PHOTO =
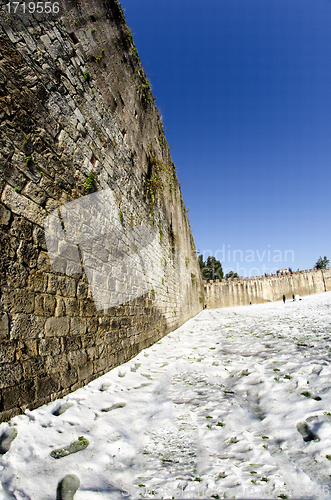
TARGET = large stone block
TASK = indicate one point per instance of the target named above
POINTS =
(20, 205)
(32, 191)
(4, 326)
(72, 343)
(34, 367)
(66, 287)
(49, 347)
(19, 301)
(8, 245)
(7, 352)
(69, 377)
(37, 281)
(45, 305)
(39, 238)
(72, 307)
(47, 385)
(27, 254)
(27, 326)
(57, 327)
(5, 216)
(10, 374)
(20, 395)
(85, 371)
(57, 364)
(78, 358)
(77, 326)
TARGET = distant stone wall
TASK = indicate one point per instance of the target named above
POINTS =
(74, 99)
(239, 292)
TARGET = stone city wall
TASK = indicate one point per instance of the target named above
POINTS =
(239, 292)
(77, 121)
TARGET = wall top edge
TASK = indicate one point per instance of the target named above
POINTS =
(269, 276)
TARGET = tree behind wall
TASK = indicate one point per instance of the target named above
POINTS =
(211, 269)
(322, 263)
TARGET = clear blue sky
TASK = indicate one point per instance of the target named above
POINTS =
(244, 88)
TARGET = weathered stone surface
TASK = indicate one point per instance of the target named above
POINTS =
(19, 395)
(8, 245)
(45, 305)
(66, 287)
(5, 216)
(7, 352)
(37, 282)
(4, 326)
(10, 374)
(26, 326)
(77, 326)
(21, 228)
(49, 347)
(72, 307)
(19, 301)
(82, 289)
(39, 238)
(34, 193)
(57, 327)
(27, 254)
(78, 358)
(47, 385)
(20, 205)
(16, 275)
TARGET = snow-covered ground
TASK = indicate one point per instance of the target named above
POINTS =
(234, 404)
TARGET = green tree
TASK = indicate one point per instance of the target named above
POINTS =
(322, 263)
(232, 275)
(201, 262)
(212, 269)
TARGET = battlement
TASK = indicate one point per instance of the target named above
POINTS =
(270, 288)
(280, 274)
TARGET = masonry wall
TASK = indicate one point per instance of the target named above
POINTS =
(266, 289)
(74, 99)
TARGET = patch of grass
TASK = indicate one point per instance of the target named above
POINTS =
(120, 216)
(93, 30)
(87, 76)
(88, 186)
(28, 160)
(153, 292)
(17, 190)
(265, 437)
(253, 472)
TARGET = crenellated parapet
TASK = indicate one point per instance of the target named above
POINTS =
(269, 288)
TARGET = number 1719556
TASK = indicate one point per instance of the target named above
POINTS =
(31, 7)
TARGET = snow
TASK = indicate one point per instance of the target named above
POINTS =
(234, 404)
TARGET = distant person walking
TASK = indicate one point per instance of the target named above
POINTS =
(284, 298)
